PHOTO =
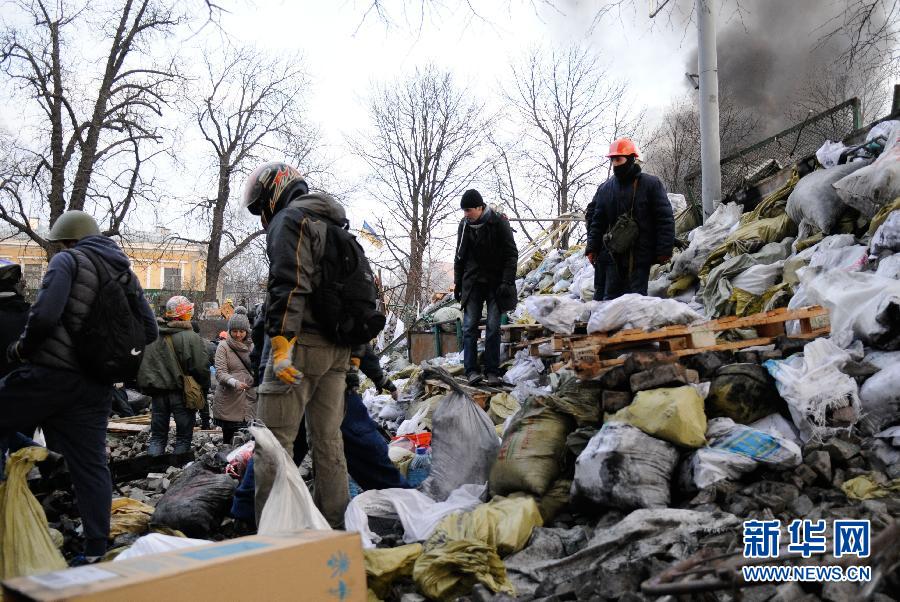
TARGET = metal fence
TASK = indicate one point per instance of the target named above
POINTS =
(754, 163)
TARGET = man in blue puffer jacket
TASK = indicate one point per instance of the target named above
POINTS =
(644, 197)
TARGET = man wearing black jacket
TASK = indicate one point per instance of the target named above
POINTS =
(52, 388)
(629, 193)
(484, 273)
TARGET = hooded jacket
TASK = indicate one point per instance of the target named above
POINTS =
(652, 211)
(159, 370)
(295, 242)
(233, 361)
(64, 302)
(485, 254)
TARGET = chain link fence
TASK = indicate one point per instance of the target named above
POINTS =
(763, 159)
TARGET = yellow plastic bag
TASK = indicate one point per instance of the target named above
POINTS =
(866, 488)
(26, 547)
(681, 285)
(675, 415)
(386, 565)
(749, 238)
(453, 569)
(129, 516)
(465, 548)
(882, 215)
(502, 406)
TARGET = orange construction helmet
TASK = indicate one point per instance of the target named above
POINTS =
(623, 147)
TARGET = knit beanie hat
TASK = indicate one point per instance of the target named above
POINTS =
(471, 199)
(179, 307)
(239, 321)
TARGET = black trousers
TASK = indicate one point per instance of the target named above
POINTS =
(612, 281)
(73, 412)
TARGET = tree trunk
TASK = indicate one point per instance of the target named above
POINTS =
(213, 261)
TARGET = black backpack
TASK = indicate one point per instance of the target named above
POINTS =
(111, 341)
(345, 302)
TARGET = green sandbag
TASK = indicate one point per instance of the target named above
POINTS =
(743, 392)
(533, 451)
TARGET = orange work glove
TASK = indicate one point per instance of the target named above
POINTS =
(282, 360)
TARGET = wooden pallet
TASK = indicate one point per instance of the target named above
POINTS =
(584, 353)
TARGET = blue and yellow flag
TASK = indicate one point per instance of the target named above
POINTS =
(368, 232)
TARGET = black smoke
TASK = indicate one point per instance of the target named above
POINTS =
(769, 49)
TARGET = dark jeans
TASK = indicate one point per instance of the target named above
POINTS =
(73, 412)
(164, 405)
(478, 296)
(364, 447)
(229, 429)
(612, 281)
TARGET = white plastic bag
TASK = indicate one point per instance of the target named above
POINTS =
(861, 305)
(418, 513)
(876, 184)
(556, 312)
(889, 267)
(637, 311)
(413, 425)
(706, 238)
(678, 202)
(813, 385)
(561, 286)
(829, 153)
(464, 442)
(778, 426)
(290, 506)
(157, 543)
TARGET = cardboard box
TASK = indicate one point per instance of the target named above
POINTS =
(313, 565)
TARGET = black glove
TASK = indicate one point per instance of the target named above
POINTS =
(390, 387)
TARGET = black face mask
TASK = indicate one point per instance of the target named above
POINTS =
(625, 171)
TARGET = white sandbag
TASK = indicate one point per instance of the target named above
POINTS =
(814, 199)
(861, 306)
(706, 238)
(556, 312)
(290, 506)
(659, 288)
(848, 259)
(707, 466)
(583, 278)
(524, 368)
(880, 399)
(887, 236)
(623, 467)
(889, 267)
(758, 279)
(829, 153)
(418, 513)
(561, 286)
(882, 359)
(877, 184)
(813, 386)
(157, 543)
(637, 311)
(778, 426)
(464, 443)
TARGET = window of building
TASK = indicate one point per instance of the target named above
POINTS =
(172, 278)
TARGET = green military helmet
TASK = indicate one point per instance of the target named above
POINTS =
(73, 225)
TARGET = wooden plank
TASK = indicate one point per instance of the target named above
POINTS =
(587, 367)
(125, 428)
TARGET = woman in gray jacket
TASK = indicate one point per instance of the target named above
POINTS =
(234, 402)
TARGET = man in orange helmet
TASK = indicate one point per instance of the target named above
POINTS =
(630, 226)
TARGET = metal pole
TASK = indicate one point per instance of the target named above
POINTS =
(711, 175)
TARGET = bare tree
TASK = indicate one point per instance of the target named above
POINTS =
(86, 128)
(673, 150)
(569, 108)
(248, 108)
(872, 32)
(425, 149)
(824, 90)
